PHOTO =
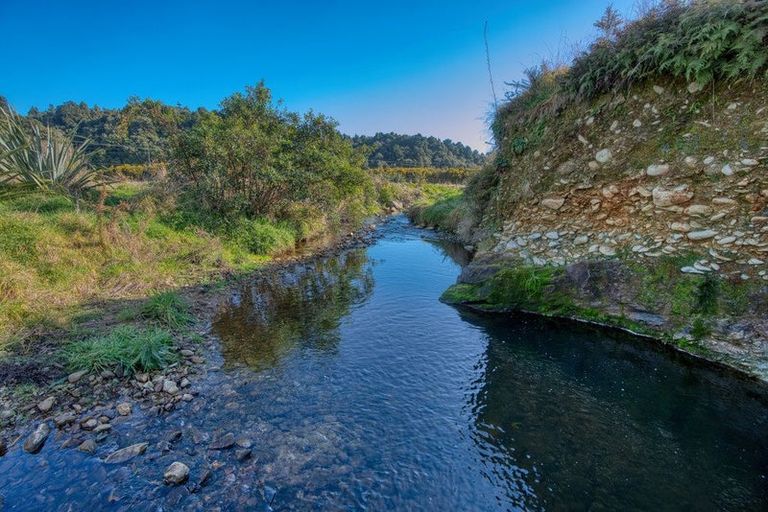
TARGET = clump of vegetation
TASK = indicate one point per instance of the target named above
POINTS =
(128, 348)
(169, 309)
(525, 287)
(31, 159)
(421, 175)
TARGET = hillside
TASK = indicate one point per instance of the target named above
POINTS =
(642, 206)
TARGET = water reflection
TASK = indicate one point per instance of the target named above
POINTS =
(276, 313)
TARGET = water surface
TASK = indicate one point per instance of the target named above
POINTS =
(360, 390)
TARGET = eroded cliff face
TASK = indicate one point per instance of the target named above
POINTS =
(650, 208)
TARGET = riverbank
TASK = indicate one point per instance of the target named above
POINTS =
(41, 396)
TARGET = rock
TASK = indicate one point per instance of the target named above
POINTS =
(690, 270)
(658, 89)
(36, 440)
(724, 201)
(64, 419)
(46, 405)
(224, 442)
(610, 191)
(73, 378)
(553, 203)
(184, 383)
(87, 446)
(89, 424)
(607, 250)
(694, 87)
(637, 123)
(727, 170)
(126, 454)
(702, 235)
(102, 428)
(243, 454)
(186, 352)
(749, 162)
(187, 397)
(680, 227)
(690, 161)
(698, 210)
(726, 240)
(3, 448)
(124, 409)
(755, 261)
(604, 156)
(671, 197)
(580, 240)
(177, 473)
(170, 387)
(141, 377)
(657, 170)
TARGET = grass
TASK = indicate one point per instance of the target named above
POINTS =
(168, 309)
(127, 347)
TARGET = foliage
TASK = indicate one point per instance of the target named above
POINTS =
(254, 159)
(169, 309)
(138, 134)
(396, 150)
(42, 161)
(126, 347)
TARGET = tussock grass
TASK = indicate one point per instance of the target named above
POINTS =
(126, 347)
(169, 309)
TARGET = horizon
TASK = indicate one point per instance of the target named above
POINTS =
(436, 84)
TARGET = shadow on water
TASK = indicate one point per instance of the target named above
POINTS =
(602, 422)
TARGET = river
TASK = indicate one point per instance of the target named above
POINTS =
(359, 390)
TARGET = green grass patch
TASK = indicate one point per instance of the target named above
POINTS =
(168, 309)
(126, 347)
(461, 293)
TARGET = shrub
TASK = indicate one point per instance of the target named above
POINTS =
(260, 236)
(126, 347)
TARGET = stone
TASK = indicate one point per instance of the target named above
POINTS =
(749, 162)
(102, 428)
(125, 454)
(124, 409)
(657, 170)
(224, 442)
(724, 201)
(690, 161)
(694, 87)
(680, 227)
(702, 235)
(177, 473)
(243, 454)
(141, 377)
(604, 156)
(698, 210)
(658, 89)
(64, 419)
(690, 270)
(89, 424)
(170, 387)
(726, 240)
(36, 439)
(607, 250)
(73, 378)
(46, 405)
(580, 240)
(609, 191)
(671, 197)
(755, 261)
(727, 170)
(553, 203)
(87, 446)
(637, 123)
(709, 160)
(3, 451)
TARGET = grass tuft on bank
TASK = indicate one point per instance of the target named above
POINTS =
(126, 347)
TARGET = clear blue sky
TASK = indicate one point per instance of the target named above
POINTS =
(401, 66)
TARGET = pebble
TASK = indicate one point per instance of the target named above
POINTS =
(46, 405)
(702, 235)
(170, 387)
(177, 473)
(73, 378)
(604, 156)
(224, 442)
(124, 409)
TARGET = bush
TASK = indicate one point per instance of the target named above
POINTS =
(260, 236)
(126, 347)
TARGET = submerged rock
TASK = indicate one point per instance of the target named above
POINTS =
(224, 442)
(177, 473)
(126, 454)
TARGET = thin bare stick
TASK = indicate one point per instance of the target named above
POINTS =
(488, 61)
